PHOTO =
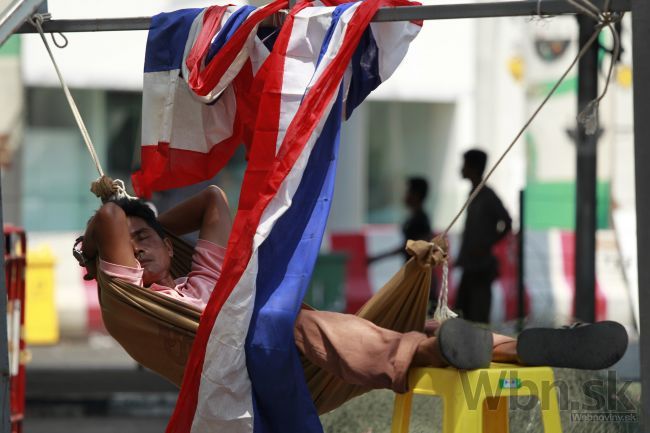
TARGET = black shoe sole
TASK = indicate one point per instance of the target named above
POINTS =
(464, 345)
(589, 347)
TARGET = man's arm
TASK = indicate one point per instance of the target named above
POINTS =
(504, 221)
(107, 236)
(386, 254)
(207, 211)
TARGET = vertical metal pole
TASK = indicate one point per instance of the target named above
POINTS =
(43, 8)
(641, 64)
(5, 416)
(521, 307)
(585, 240)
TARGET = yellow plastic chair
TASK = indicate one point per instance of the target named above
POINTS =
(477, 400)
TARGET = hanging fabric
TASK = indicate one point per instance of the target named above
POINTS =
(210, 83)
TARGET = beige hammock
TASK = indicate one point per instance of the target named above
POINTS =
(158, 331)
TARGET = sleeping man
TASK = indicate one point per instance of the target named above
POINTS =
(125, 240)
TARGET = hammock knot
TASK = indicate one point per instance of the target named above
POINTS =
(428, 254)
(108, 189)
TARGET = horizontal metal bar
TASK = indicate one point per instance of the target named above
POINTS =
(488, 10)
(90, 25)
(402, 13)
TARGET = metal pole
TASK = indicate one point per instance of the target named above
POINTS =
(641, 62)
(401, 13)
(5, 415)
(521, 293)
(14, 15)
(586, 151)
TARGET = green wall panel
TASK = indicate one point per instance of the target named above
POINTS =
(552, 205)
(11, 47)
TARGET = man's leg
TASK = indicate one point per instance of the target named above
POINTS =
(358, 351)
(362, 353)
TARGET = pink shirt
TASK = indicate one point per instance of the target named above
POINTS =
(195, 289)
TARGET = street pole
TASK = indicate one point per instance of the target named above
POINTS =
(641, 71)
(5, 415)
(586, 151)
(521, 291)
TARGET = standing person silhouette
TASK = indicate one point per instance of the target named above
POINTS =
(417, 226)
(487, 222)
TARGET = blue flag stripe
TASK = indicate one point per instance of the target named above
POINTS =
(166, 41)
(365, 72)
(286, 262)
(232, 24)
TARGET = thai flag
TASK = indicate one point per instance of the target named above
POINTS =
(244, 373)
(192, 124)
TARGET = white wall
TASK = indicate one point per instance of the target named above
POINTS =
(349, 204)
(438, 66)
(500, 105)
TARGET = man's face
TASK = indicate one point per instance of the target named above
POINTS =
(412, 200)
(153, 253)
(465, 171)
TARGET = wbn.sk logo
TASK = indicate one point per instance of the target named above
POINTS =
(602, 399)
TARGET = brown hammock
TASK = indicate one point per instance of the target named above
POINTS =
(158, 331)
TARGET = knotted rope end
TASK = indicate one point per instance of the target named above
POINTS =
(108, 189)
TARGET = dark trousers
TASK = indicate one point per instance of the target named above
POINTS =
(474, 296)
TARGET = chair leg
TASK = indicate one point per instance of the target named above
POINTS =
(402, 413)
(459, 418)
(495, 415)
(551, 414)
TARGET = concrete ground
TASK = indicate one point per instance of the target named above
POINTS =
(92, 386)
(95, 425)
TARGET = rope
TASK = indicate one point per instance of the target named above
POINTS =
(443, 312)
(587, 117)
(101, 186)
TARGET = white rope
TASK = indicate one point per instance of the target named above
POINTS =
(443, 312)
(37, 21)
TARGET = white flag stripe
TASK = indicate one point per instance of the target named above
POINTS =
(307, 34)
(233, 321)
(392, 42)
(225, 360)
